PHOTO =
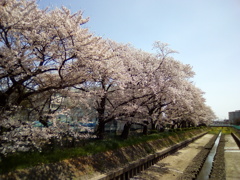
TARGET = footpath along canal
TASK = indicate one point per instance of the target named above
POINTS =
(232, 158)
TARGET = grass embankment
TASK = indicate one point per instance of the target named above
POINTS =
(216, 130)
(89, 147)
(224, 130)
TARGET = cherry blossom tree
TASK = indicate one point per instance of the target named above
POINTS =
(42, 50)
(110, 87)
(41, 53)
(190, 110)
(159, 80)
(50, 65)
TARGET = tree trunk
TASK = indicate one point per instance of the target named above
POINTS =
(162, 129)
(126, 130)
(154, 124)
(101, 118)
(184, 124)
(100, 129)
(145, 129)
(73, 143)
(173, 124)
(44, 121)
(3, 102)
(179, 125)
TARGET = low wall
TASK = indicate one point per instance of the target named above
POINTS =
(237, 139)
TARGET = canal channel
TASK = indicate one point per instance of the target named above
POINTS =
(207, 166)
(173, 166)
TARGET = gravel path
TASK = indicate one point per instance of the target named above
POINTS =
(172, 167)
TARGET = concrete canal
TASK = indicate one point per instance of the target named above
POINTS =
(173, 165)
(207, 166)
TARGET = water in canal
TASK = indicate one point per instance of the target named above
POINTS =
(207, 166)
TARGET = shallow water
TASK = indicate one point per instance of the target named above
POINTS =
(207, 166)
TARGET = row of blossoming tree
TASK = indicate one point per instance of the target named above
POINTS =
(51, 65)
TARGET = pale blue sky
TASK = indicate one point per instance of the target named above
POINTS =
(206, 33)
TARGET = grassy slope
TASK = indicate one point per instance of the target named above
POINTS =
(94, 156)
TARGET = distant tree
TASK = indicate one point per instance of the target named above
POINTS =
(190, 109)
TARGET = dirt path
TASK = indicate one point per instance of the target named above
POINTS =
(232, 159)
(172, 167)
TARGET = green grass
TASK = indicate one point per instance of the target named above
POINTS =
(216, 130)
(29, 159)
